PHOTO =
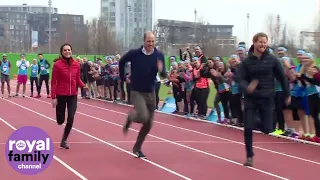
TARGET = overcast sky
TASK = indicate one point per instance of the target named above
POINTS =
(298, 15)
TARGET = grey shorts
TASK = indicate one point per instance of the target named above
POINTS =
(5, 78)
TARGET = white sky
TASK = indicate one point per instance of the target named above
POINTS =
(297, 14)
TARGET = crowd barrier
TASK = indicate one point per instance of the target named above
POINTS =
(169, 106)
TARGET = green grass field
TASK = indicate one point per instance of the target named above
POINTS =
(50, 57)
(13, 57)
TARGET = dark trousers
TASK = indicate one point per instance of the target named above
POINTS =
(225, 98)
(44, 78)
(175, 91)
(192, 101)
(34, 81)
(83, 93)
(143, 113)
(63, 102)
(128, 89)
(157, 89)
(278, 113)
(235, 106)
(216, 105)
(123, 93)
(201, 100)
(252, 107)
(314, 107)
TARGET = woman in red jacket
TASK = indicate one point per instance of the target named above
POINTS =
(64, 84)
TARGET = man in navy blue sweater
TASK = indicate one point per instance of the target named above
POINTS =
(146, 62)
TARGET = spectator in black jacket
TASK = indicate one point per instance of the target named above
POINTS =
(87, 77)
(186, 55)
(198, 52)
(256, 77)
(83, 79)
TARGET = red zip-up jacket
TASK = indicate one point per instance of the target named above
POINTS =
(65, 79)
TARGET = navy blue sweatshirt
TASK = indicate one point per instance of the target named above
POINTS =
(144, 69)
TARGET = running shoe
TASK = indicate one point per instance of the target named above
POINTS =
(249, 162)
(277, 132)
(315, 139)
(220, 121)
(64, 145)
(188, 115)
(289, 133)
(140, 155)
(305, 137)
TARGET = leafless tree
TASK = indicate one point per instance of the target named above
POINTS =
(290, 42)
(208, 45)
(272, 30)
(73, 34)
(101, 40)
(315, 48)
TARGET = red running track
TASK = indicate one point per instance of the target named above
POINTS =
(176, 148)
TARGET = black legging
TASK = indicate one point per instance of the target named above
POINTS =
(44, 78)
(192, 102)
(117, 89)
(32, 81)
(157, 89)
(63, 102)
(201, 100)
(123, 93)
(217, 106)
(235, 106)
(128, 89)
(225, 99)
(278, 113)
(313, 103)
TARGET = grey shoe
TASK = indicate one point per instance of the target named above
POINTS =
(249, 162)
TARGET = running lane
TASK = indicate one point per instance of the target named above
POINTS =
(216, 131)
(179, 159)
(219, 143)
(92, 159)
(8, 172)
(264, 160)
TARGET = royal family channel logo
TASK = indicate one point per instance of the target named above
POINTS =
(29, 150)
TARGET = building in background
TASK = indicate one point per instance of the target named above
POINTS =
(184, 32)
(61, 26)
(128, 19)
(24, 28)
(173, 33)
(15, 33)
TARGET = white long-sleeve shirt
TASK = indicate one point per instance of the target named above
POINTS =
(23, 67)
(19, 62)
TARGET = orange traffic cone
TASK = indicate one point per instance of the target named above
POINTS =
(15, 76)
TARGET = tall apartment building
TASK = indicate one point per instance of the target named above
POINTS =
(128, 19)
